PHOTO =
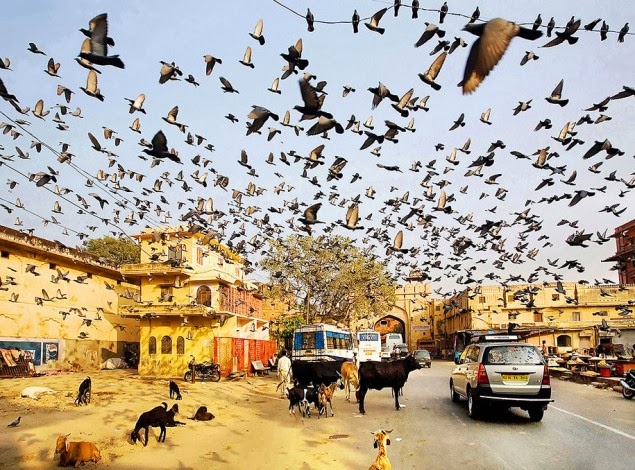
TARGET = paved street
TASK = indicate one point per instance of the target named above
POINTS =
(584, 428)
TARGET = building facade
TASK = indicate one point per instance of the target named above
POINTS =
(195, 302)
(568, 315)
(624, 257)
(60, 304)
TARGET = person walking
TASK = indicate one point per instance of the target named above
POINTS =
(284, 373)
(544, 349)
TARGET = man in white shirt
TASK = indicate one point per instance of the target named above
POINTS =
(284, 373)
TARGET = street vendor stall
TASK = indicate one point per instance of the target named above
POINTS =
(15, 363)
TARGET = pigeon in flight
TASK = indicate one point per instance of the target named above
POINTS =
(257, 34)
(374, 21)
(556, 95)
(430, 76)
(210, 61)
(99, 44)
(33, 48)
(494, 38)
(246, 60)
(567, 35)
(159, 148)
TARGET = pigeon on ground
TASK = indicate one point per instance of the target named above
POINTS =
(14, 423)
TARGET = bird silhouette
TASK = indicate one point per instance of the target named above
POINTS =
(98, 53)
(488, 49)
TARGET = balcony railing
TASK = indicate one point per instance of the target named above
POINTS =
(142, 269)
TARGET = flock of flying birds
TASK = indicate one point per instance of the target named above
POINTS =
(411, 228)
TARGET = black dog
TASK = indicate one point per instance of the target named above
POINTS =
(83, 396)
(174, 391)
(202, 414)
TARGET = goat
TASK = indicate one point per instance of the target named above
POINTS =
(174, 391)
(381, 441)
(302, 398)
(202, 414)
(76, 453)
(170, 422)
(325, 397)
(83, 395)
(156, 417)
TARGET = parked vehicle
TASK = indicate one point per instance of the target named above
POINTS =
(204, 371)
(628, 385)
(423, 357)
(385, 353)
(368, 345)
(399, 351)
(391, 339)
(500, 371)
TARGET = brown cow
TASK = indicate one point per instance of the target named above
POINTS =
(349, 377)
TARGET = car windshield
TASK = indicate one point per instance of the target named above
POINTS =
(516, 354)
(422, 353)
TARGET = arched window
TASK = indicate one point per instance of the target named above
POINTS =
(166, 345)
(152, 345)
(180, 345)
(564, 341)
(204, 296)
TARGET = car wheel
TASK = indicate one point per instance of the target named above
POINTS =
(536, 414)
(453, 395)
(473, 405)
(628, 394)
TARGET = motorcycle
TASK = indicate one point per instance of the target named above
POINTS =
(628, 385)
(204, 370)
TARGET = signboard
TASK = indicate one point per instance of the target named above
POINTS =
(368, 336)
(421, 328)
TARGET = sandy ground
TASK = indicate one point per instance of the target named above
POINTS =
(252, 429)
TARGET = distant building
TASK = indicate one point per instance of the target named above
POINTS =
(625, 252)
(570, 317)
(60, 304)
(195, 301)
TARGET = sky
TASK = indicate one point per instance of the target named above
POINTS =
(183, 32)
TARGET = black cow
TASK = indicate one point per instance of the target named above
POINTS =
(377, 375)
(316, 372)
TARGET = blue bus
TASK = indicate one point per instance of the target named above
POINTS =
(322, 342)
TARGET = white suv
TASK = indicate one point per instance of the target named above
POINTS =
(500, 371)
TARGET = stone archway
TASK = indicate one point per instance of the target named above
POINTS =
(391, 324)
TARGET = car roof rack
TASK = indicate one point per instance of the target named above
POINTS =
(494, 338)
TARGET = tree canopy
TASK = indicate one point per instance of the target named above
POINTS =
(116, 250)
(332, 280)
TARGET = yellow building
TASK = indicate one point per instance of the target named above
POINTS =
(61, 304)
(410, 316)
(568, 315)
(195, 301)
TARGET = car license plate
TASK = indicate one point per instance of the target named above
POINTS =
(515, 377)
